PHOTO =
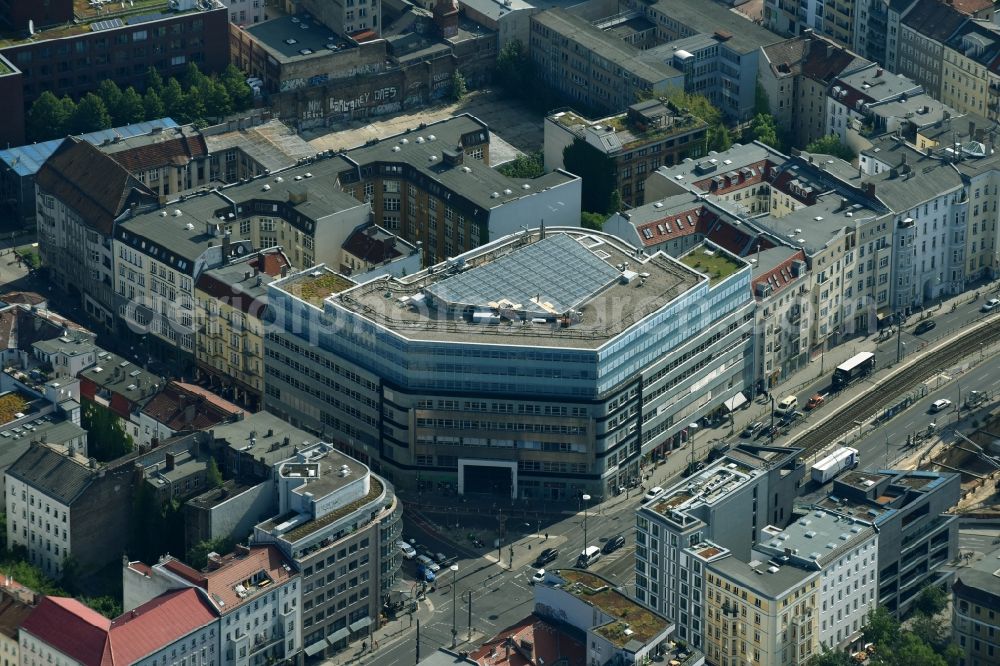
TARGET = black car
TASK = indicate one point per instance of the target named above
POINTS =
(613, 544)
(752, 429)
(924, 326)
(546, 556)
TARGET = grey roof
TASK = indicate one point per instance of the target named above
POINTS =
(928, 177)
(272, 449)
(739, 155)
(273, 35)
(770, 585)
(883, 87)
(607, 46)
(765, 261)
(473, 180)
(71, 346)
(496, 9)
(556, 271)
(982, 573)
(921, 110)
(55, 474)
(273, 144)
(817, 539)
(813, 227)
(710, 17)
(117, 374)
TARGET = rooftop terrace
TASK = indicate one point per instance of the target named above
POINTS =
(631, 132)
(633, 622)
(714, 262)
(707, 487)
(570, 293)
(315, 285)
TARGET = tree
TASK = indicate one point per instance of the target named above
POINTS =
(193, 77)
(174, 102)
(218, 104)
(91, 115)
(761, 104)
(515, 68)
(931, 600)
(831, 145)
(882, 628)
(236, 86)
(110, 94)
(153, 106)
(524, 166)
(830, 658)
(194, 103)
(763, 129)
(718, 137)
(929, 629)
(598, 173)
(48, 118)
(130, 109)
(458, 87)
(106, 606)
(106, 437)
(197, 557)
(593, 221)
(154, 81)
(213, 477)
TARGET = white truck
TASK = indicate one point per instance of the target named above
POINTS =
(830, 466)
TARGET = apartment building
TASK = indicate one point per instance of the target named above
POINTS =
(81, 195)
(715, 48)
(230, 304)
(845, 552)
(176, 625)
(648, 135)
(923, 31)
(346, 17)
(761, 614)
(714, 512)
(255, 593)
(931, 211)
(974, 605)
(339, 523)
(73, 50)
(811, 203)
(854, 95)
(595, 69)
(585, 432)
(916, 538)
(969, 81)
(836, 21)
(796, 75)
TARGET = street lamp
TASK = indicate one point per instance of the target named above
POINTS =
(454, 627)
(586, 499)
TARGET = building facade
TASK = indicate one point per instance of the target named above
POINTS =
(974, 614)
(383, 400)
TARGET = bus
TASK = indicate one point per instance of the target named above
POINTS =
(858, 365)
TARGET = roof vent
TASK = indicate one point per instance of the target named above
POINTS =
(266, 187)
(404, 141)
(431, 158)
(526, 187)
(658, 204)
(163, 213)
(298, 178)
(508, 191)
(395, 149)
(420, 139)
(177, 212)
(466, 169)
(431, 137)
(307, 175)
(279, 179)
(495, 195)
(189, 226)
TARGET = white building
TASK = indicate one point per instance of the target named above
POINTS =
(245, 12)
(846, 552)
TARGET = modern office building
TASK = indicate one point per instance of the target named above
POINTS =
(845, 551)
(916, 538)
(717, 511)
(340, 524)
(975, 610)
(569, 353)
(647, 136)
(72, 50)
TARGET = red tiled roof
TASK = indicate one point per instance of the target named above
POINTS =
(25, 297)
(71, 628)
(675, 225)
(177, 151)
(91, 183)
(549, 643)
(783, 184)
(180, 408)
(141, 567)
(780, 276)
(269, 262)
(156, 623)
(235, 568)
(761, 172)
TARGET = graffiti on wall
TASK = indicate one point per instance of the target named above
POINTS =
(380, 100)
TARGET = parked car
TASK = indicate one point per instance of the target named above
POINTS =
(652, 493)
(940, 405)
(538, 577)
(752, 429)
(924, 326)
(547, 555)
(990, 305)
(427, 562)
(974, 398)
(425, 574)
(613, 544)
(769, 431)
(815, 401)
(409, 552)
(440, 558)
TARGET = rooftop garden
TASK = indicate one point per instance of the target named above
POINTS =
(716, 264)
(315, 289)
(11, 404)
(632, 621)
(374, 491)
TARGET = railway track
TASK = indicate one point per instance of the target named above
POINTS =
(866, 405)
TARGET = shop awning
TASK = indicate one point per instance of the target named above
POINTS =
(339, 635)
(315, 648)
(735, 402)
(360, 624)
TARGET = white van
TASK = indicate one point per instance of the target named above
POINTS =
(788, 404)
(589, 555)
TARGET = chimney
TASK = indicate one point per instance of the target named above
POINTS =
(92, 462)
(869, 189)
(169, 463)
(241, 550)
(284, 271)
(972, 129)
(214, 561)
(225, 246)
